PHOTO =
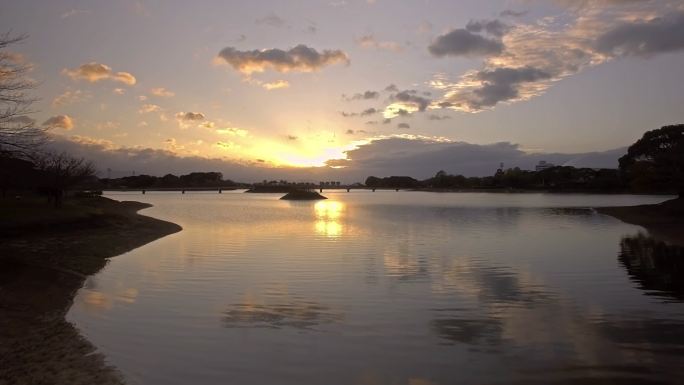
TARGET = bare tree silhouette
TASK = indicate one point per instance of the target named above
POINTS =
(63, 171)
(19, 133)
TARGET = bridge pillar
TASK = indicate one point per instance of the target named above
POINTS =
(143, 191)
(220, 191)
(348, 189)
(182, 191)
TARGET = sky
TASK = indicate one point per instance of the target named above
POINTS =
(342, 89)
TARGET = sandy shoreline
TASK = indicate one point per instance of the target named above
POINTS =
(40, 272)
(664, 221)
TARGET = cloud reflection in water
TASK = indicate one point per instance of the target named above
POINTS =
(298, 314)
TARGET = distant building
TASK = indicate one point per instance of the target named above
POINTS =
(500, 170)
(543, 165)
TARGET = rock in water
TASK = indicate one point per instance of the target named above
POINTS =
(303, 195)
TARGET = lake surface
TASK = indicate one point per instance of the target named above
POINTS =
(406, 288)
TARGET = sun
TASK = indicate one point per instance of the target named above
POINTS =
(315, 152)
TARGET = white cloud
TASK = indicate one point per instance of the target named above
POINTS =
(74, 12)
(69, 97)
(276, 85)
(233, 131)
(147, 108)
(370, 42)
(162, 92)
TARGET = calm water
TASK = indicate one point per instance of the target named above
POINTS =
(403, 288)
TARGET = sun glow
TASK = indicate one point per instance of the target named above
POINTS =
(328, 218)
(304, 152)
(398, 109)
(312, 160)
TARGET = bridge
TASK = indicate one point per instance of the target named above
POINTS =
(220, 190)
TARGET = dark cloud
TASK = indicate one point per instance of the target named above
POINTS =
(311, 28)
(190, 116)
(292, 137)
(422, 157)
(298, 59)
(366, 112)
(403, 125)
(502, 84)
(362, 96)
(352, 132)
(417, 157)
(537, 54)
(462, 42)
(438, 117)
(391, 88)
(411, 97)
(644, 38)
(369, 111)
(492, 27)
(512, 75)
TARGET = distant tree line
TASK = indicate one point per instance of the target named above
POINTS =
(554, 178)
(653, 164)
(193, 179)
(392, 182)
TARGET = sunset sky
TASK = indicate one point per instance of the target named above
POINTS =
(262, 84)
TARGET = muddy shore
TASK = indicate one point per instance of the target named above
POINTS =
(41, 269)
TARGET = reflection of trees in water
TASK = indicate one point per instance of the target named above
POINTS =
(656, 266)
(296, 314)
(662, 337)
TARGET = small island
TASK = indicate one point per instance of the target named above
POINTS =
(302, 195)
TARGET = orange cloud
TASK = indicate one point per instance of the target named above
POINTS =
(94, 72)
(59, 121)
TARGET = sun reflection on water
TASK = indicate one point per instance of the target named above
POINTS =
(328, 218)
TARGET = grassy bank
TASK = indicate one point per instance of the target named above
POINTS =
(664, 221)
(46, 256)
